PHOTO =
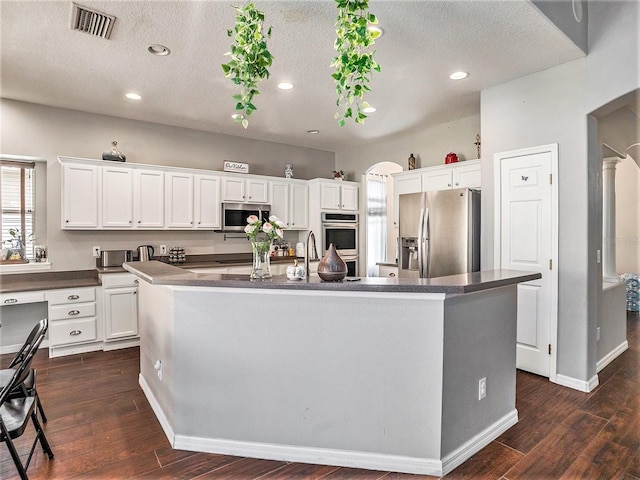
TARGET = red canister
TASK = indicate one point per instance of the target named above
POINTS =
(451, 158)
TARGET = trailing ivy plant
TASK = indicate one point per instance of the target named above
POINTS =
(354, 62)
(250, 58)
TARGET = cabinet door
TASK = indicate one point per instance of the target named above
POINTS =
(233, 189)
(179, 200)
(438, 180)
(401, 185)
(330, 196)
(121, 312)
(207, 201)
(257, 190)
(80, 196)
(148, 199)
(299, 207)
(467, 176)
(349, 197)
(117, 198)
(280, 202)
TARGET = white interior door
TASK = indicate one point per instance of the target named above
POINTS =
(526, 239)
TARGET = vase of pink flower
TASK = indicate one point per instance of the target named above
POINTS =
(262, 234)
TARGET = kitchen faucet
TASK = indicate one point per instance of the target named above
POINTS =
(311, 236)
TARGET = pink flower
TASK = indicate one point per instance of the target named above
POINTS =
(267, 227)
(249, 229)
(279, 232)
(252, 219)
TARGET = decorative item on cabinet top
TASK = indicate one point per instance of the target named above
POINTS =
(235, 167)
(114, 154)
(338, 175)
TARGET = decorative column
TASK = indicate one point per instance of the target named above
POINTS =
(609, 219)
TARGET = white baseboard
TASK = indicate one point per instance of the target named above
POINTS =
(155, 406)
(347, 458)
(577, 384)
(477, 443)
(612, 355)
(118, 344)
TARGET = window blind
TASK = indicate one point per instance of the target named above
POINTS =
(17, 201)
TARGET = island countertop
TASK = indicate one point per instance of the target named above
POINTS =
(158, 273)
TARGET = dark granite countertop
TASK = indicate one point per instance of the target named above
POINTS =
(158, 273)
(29, 282)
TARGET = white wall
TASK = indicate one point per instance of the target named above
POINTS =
(36, 130)
(429, 145)
(553, 106)
(627, 217)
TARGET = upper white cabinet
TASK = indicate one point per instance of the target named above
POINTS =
(80, 195)
(148, 199)
(245, 190)
(404, 182)
(336, 195)
(178, 200)
(117, 197)
(207, 201)
(456, 175)
(290, 202)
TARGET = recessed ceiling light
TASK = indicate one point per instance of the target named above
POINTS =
(376, 30)
(285, 86)
(133, 96)
(369, 109)
(313, 132)
(159, 50)
(458, 75)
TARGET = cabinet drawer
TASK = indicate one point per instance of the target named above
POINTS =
(72, 331)
(113, 280)
(71, 295)
(21, 297)
(60, 312)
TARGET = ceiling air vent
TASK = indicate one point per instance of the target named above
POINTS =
(92, 22)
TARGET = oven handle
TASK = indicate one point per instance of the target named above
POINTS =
(340, 225)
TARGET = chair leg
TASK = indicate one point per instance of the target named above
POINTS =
(12, 450)
(40, 409)
(46, 448)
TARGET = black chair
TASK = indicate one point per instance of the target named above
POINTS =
(15, 413)
(27, 382)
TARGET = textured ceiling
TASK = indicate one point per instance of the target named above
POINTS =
(45, 62)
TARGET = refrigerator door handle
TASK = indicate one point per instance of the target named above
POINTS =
(421, 240)
(425, 245)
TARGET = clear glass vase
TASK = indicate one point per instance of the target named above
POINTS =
(261, 268)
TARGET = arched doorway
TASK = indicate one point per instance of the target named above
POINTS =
(381, 235)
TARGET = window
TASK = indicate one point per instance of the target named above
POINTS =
(17, 202)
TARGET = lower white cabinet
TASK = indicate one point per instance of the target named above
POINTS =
(387, 271)
(72, 319)
(120, 293)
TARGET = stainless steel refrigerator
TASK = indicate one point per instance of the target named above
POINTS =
(439, 233)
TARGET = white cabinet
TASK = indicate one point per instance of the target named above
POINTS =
(120, 306)
(207, 201)
(178, 200)
(404, 182)
(456, 175)
(72, 317)
(148, 198)
(245, 190)
(387, 271)
(290, 202)
(335, 195)
(117, 197)
(80, 196)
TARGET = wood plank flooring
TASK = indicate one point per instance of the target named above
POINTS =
(101, 427)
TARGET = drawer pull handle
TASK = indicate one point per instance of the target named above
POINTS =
(74, 312)
(11, 300)
(73, 297)
(392, 274)
(75, 332)
(136, 281)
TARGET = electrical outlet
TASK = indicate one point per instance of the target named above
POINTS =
(96, 251)
(163, 249)
(482, 388)
(158, 367)
(598, 334)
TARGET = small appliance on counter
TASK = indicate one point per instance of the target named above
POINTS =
(113, 258)
(145, 253)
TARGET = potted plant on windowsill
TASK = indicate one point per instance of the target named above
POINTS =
(15, 251)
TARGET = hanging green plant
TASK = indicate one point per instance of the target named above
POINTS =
(354, 63)
(250, 58)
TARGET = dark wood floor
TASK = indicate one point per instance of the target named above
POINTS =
(101, 427)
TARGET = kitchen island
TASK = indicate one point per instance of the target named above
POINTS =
(379, 373)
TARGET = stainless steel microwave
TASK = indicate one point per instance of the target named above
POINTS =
(234, 215)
